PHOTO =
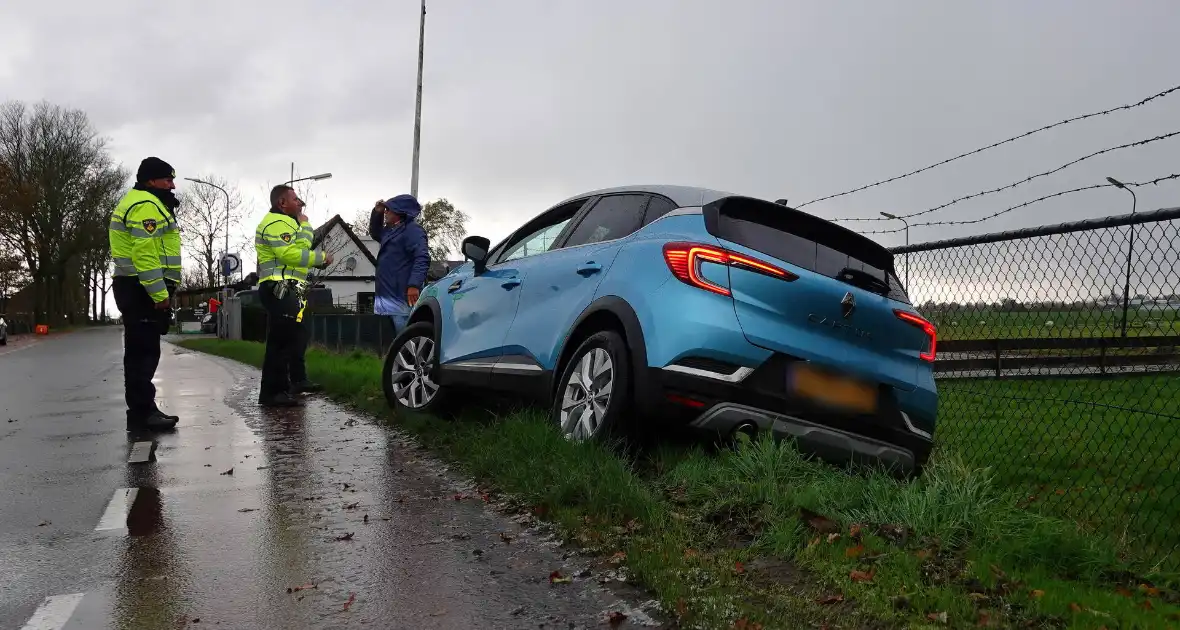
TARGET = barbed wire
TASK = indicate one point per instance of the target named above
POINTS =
(993, 215)
(1017, 183)
(996, 144)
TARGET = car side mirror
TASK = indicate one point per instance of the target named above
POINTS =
(475, 249)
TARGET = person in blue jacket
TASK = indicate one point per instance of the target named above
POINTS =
(403, 259)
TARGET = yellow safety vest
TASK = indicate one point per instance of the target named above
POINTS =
(145, 242)
(284, 248)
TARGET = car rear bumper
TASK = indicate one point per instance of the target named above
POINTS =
(755, 399)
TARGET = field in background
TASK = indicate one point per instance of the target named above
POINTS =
(977, 323)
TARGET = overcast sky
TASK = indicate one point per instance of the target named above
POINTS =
(529, 101)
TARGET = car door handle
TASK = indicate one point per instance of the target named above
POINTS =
(454, 286)
(588, 268)
(510, 283)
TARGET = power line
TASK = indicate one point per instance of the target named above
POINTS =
(1155, 181)
(994, 145)
(1018, 183)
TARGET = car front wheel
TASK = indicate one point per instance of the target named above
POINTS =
(594, 388)
(410, 373)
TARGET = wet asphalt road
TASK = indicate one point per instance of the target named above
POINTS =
(89, 540)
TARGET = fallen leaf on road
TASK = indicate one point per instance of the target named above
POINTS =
(347, 604)
(853, 552)
(828, 600)
(459, 497)
(247, 510)
(296, 589)
(615, 618)
(262, 468)
(44, 523)
(939, 617)
(861, 576)
(208, 465)
(228, 472)
(557, 578)
(366, 518)
(352, 506)
(505, 537)
(347, 536)
(485, 497)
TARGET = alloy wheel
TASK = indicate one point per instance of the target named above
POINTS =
(586, 395)
(412, 385)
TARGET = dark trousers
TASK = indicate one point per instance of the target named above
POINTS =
(143, 324)
(282, 339)
(298, 367)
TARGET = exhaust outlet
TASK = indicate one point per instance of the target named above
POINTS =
(748, 428)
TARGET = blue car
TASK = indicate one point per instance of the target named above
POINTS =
(685, 307)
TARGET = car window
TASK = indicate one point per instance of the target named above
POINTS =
(656, 208)
(538, 235)
(535, 243)
(612, 217)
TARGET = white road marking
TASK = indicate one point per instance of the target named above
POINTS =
(54, 612)
(115, 516)
(141, 452)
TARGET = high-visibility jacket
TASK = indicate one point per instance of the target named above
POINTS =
(145, 242)
(284, 248)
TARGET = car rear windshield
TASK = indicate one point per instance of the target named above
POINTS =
(806, 241)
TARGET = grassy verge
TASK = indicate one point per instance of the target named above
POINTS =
(759, 537)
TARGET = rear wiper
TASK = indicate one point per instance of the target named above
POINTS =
(864, 280)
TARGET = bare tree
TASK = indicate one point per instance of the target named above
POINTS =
(57, 183)
(204, 218)
(194, 278)
(13, 277)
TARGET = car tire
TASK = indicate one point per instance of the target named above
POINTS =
(594, 390)
(410, 372)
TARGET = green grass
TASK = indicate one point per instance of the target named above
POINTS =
(969, 323)
(1100, 450)
(720, 536)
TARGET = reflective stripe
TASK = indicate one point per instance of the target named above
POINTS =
(155, 286)
(117, 226)
(305, 258)
(151, 274)
(267, 268)
(126, 270)
(307, 234)
(172, 274)
(142, 233)
(173, 261)
(270, 242)
(295, 274)
(120, 260)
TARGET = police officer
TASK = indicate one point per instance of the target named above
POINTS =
(283, 241)
(298, 366)
(145, 243)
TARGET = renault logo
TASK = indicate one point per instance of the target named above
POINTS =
(848, 305)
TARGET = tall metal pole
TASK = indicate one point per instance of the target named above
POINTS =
(907, 242)
(1130, 249)
(418, 104)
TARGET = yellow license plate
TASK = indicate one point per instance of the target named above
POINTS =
(832, 390)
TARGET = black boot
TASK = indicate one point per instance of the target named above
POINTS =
(154, 421)
(281, 399)
(306, 387)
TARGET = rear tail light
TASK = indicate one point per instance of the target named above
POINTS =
(928, 328)
(685, 260)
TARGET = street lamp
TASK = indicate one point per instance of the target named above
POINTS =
(1130, 249)
(907, 242)
(312, 178)
(224, 192)
(418, 103)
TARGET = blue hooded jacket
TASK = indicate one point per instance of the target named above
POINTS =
(404, 256)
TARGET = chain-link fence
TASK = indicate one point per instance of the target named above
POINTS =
(1057, 367)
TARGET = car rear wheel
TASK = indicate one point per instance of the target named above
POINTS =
(594, 389)
(410, 373)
